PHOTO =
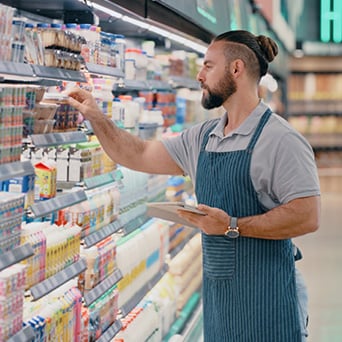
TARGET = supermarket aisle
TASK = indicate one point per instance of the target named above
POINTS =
(322, 269)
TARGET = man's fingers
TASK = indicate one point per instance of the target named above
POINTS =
(75, 103)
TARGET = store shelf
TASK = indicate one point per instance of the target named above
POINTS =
(180, 246)
(16, 169)
(175, 82)
(23, 72)
(110, 332)
(159, 85)
(134, 218)
(41, 71)
(330, 172)
(44, 208)
(103, 70)
(193, 330)
(45, 287)
(15, 255)
(101, 234)
(58, 138)
(325, 141)
(100, 180)
(91, 296)
(316, 113)
(136, 85)
(24, 335)
(135, 300)
(183, 82)
(16, 69)
(184, 316)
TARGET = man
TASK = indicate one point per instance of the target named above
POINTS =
(255, 178)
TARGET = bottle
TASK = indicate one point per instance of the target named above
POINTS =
(85, 48)
(120, 47)
(118, 112)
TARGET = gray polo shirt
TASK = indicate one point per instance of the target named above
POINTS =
(282, 167)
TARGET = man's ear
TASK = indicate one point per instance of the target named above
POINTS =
(236, 67)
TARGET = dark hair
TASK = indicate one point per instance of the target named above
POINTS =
(264, 48)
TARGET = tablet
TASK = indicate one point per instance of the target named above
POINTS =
(169, 211)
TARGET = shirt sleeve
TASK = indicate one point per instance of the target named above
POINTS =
(295, 172)
(184, 149)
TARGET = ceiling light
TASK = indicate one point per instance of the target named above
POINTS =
(135, 22)
(107, 11)
(160, 31)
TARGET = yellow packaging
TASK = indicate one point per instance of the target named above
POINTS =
(46, 176)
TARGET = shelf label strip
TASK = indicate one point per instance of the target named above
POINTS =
(110, 332)
(42, 289)
(104, 70)
(58, 73)
(102, 287)
(54, 139)
(47, 207)
(26, 334)
(99, 180)
(16, 169)
(16, 255)
(16, 69)
(98, 236)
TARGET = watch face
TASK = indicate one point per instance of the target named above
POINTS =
(232, 233)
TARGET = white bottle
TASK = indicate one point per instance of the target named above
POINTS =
(120, 47)
(118, 112)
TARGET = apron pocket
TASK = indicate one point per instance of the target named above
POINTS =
(219, 256)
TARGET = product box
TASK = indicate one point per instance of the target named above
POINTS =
(46, 180)
(24, 184)
(80, 163)
(62, 163)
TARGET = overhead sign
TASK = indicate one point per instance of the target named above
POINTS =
(331, 21)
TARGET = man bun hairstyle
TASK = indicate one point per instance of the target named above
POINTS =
(264, 48)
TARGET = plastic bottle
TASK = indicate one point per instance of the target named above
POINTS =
(85, 48)
(118, 112)
(131, 111)
(120, 47)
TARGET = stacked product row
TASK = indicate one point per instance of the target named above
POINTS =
(12, 103)
(139, 255)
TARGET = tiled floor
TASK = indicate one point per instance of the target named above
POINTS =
(322, 270)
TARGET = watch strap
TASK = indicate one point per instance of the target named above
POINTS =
(233, 222)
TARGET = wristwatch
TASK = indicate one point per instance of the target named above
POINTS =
(232, 231)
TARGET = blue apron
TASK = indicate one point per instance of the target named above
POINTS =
(249, 290)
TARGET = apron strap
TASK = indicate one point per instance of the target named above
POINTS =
(258, 130)
(206, 136)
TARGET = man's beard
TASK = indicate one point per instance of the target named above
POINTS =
(219, 93)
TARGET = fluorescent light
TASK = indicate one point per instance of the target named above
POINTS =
(159, 31)
(162, 32)
(135, 22)
(107, 11)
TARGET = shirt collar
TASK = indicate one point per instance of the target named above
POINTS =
(247, 125)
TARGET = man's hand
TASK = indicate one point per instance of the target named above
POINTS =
(84, 102)
(214, 223)
(295, 218)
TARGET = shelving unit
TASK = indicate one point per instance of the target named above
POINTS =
(72, 194)
(315, 106)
